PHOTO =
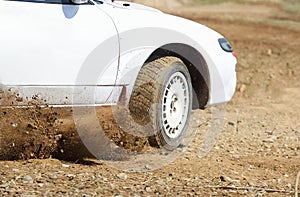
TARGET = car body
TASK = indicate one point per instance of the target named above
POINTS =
(91, 53)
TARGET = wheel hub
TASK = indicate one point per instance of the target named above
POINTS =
(175, 105)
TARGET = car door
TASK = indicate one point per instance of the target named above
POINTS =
(54, 44)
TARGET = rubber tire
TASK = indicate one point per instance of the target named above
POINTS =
(146, 99)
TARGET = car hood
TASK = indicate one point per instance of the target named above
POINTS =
(134, 6)
(136, 16)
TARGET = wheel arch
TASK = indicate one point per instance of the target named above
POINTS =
(196, 66)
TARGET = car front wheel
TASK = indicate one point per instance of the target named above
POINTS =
(162, 100)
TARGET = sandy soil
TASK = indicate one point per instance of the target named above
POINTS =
(257, 153)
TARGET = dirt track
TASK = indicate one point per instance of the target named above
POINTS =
(257, 153)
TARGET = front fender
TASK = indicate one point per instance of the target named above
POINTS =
(154, 30)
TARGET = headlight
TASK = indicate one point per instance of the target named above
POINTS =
(225, 45)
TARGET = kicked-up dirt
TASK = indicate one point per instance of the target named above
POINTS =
(256, 154)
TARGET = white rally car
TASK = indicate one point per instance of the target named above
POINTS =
(103, 52)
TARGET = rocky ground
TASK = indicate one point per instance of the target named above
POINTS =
(256, 154)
